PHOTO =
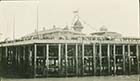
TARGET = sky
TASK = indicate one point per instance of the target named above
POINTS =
(120, 16)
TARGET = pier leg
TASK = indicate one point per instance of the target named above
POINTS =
(129, 59)
(94, 59)
(100, 57)
(83, 50)
(108, 57)
(47, 59)
(59, 59)
(76, 57)
(123, 53)
(5, 60)
(66, 59)
(24, 61)
(137, 55)
(35, 54)
(114, 57)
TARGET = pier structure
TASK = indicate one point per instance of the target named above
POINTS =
(61, 52)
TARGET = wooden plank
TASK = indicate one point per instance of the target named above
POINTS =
(108, 57)
(123, 53)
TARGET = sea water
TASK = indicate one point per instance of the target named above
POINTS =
(90, 78)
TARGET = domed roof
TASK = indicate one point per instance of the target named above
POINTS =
(104, 32)
(103, 28)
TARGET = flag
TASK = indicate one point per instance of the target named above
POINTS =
(75, 11)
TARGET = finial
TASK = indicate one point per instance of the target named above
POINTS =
(66, 27)
(76, 13)
(54, 26)
(103, 28)
(44, 28)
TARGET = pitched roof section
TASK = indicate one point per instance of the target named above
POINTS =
(78, 26)
(54, 32)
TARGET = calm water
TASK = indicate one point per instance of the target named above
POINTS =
(94, 78)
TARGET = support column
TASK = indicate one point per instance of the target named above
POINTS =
(59, 59)
(47, 59)
(94, 59)
(66, 58)
(76, 58)
(137, 53)
(123, 53)
(83, 50)
(100, 57)
(1, 61)
(0, 55)
(23, 65)
(108, 57)
(16, 58)
(114, 57)
(30, 55)
(6, 54)
(5, 61)
(129, 59)
(35, 54)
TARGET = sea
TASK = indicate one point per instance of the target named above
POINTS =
(90, 78)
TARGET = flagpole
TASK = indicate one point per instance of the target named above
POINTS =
(37, 21)
(13, 28)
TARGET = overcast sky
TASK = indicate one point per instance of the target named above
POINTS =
(117, 15)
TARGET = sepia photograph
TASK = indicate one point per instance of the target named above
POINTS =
(69, 40)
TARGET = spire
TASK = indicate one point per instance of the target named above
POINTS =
(77, 26)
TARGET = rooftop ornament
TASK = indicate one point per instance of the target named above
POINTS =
(103, 28)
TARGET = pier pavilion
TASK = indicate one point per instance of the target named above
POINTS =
(64, 52)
